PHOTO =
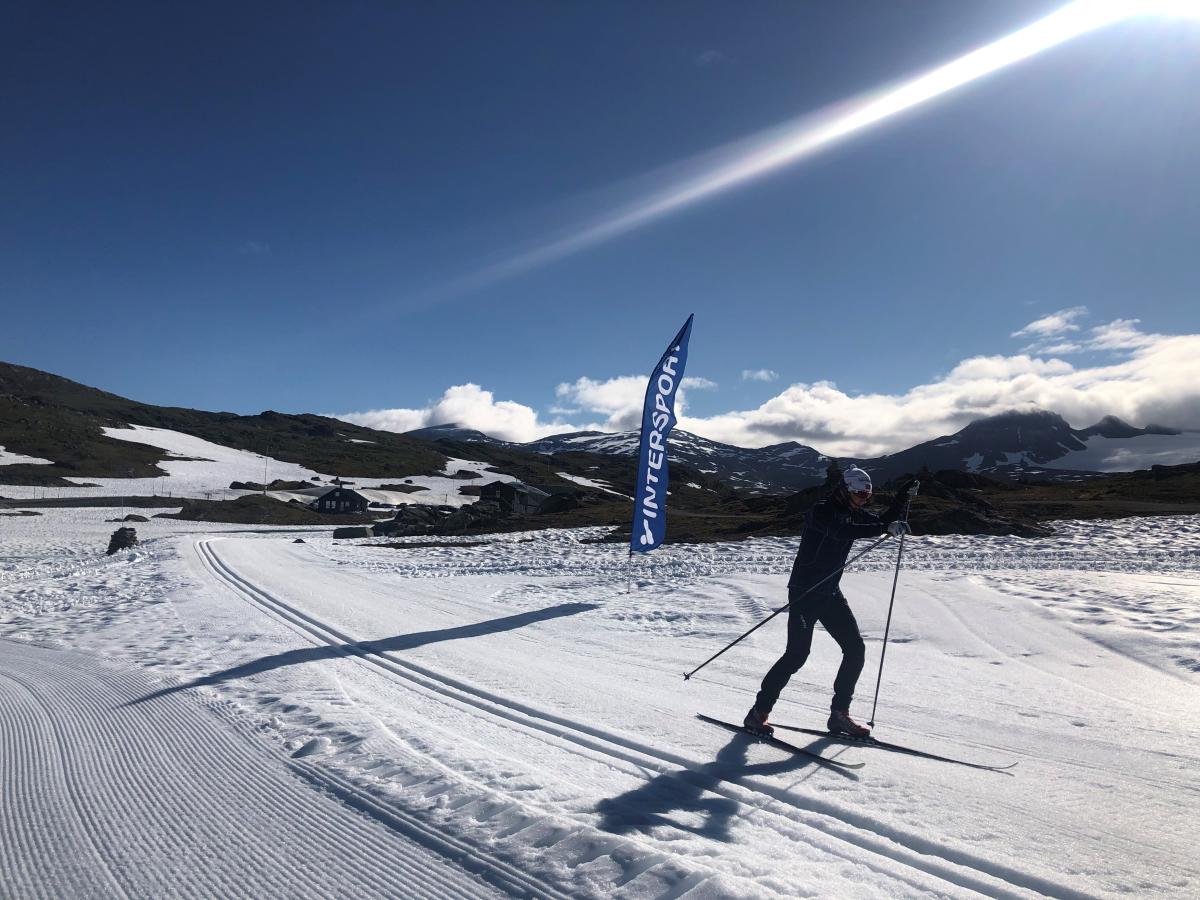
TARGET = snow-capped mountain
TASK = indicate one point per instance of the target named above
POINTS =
(1042, 444)
(1038, 444)
(780, 468)
(775, 469)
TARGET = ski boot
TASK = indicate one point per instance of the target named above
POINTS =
(756, 723)
(841, 723)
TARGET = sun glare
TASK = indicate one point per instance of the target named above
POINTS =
(754, 158)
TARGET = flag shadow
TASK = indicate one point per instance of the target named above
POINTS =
(372, 648)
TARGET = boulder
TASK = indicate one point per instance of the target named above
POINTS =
(354, 531)
(122, 539)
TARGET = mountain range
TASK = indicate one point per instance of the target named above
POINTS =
(49, 417)
(1033, 445)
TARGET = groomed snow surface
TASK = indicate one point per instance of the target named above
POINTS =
(227, 713)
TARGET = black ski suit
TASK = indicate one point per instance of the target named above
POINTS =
(831, 528)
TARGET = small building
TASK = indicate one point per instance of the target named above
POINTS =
(341, 500)
(513, 496)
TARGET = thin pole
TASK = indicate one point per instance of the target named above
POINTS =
(888, 626)
(785, 606)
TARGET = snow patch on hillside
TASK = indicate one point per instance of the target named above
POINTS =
(590, 483)
(202, 469)
(12, 459)
(1127, 454)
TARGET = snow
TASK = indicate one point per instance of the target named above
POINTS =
(588, 482)
(12, 459)
(205, 470)
(1127, 454)
(223, 712)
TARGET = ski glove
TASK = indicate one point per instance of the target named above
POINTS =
(897, 528)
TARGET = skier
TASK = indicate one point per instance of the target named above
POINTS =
(831, 528)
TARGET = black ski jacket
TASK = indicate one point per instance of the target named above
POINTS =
(829, 532)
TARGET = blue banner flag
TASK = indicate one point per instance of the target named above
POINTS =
(658, 418)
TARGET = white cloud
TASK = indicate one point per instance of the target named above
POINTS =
(698, 384)
(1059, 349)
(1155, 379)
(1159, 381)
(759, 375)
(1053, 324)
(618, 399)
(468, 405)
(1120, 334)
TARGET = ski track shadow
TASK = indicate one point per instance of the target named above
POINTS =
(372, 648)
(691, 791)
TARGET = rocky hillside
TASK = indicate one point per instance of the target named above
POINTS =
(1036, 445)
(780, 468)
(48, 417)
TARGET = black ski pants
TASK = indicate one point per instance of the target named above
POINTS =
(832, 611)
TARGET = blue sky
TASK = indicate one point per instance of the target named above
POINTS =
(284, 206)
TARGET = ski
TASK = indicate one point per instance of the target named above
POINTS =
(895, 748)
(782, 745)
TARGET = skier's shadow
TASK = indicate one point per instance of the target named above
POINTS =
(674, 798)
(372, 648)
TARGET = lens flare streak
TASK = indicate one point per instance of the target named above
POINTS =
(754, 158)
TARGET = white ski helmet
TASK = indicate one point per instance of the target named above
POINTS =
(856, 480)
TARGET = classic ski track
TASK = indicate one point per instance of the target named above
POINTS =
(861, 831)
(131, 770)
(889, 747)
(11, 825)
(980, 638)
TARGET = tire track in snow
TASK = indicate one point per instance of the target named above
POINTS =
(858, 830)
(173, 799)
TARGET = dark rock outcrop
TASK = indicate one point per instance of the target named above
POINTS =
(122, 539)
(354, 531)
(276, 485)
(421, 520)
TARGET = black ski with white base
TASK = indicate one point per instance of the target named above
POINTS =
(782, 745)
(895, 748)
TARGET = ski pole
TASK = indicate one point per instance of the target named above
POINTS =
(736, 641)
(895, 579)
